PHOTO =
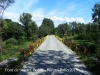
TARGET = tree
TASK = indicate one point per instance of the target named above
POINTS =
(26, 20)
(12, 30)
(34, 28)
(3, 5)
(96, 13)
(33, 31)
(48, 23)
(96, 20)
(63, 29)
(43, 31)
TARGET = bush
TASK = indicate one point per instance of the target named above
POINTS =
(81, 36)
(1, 58)
(21, 41)
(92, 49)
(33, 38)
(11, 41)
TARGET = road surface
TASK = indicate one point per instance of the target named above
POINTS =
(54, 58)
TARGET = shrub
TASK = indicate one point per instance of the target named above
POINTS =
(1, 58)
(21, 41)
(11, 41)
(81, 36)
(33, 38)
(92, 48)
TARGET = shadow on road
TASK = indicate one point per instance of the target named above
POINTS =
(53, 62)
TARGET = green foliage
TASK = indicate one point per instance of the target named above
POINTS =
(1, 58)
(3, 24)
(43, 31)
(13, 30)
(11, 41)
(21, 41)
(33, 28)
(96, 13)
(92, 49)
(33, 38)
(83, 36)
(26, 19)
(46, 28)
(63, 30)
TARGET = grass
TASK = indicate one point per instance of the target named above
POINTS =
(68, 37)
(24, 45)
(13, 50)
(82, 42)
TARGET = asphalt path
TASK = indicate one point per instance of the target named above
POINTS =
(54, 58)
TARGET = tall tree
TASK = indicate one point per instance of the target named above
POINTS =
(48, 23)
(33, 31)
(96, 13)
(34, 28)
(96, 20)
(3, 5)
(26, 20)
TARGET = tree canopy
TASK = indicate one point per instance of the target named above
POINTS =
(96, 13)
(26, 19)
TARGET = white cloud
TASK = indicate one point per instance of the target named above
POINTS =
(39, 17)
(13, 16)
(59, 20)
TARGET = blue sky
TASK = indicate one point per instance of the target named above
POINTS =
(60, 11)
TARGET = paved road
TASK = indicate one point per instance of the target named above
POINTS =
(54, 58)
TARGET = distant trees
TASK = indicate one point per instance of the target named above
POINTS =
(46, 28)
(12, 29)
(43, 31)
(63, 29)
